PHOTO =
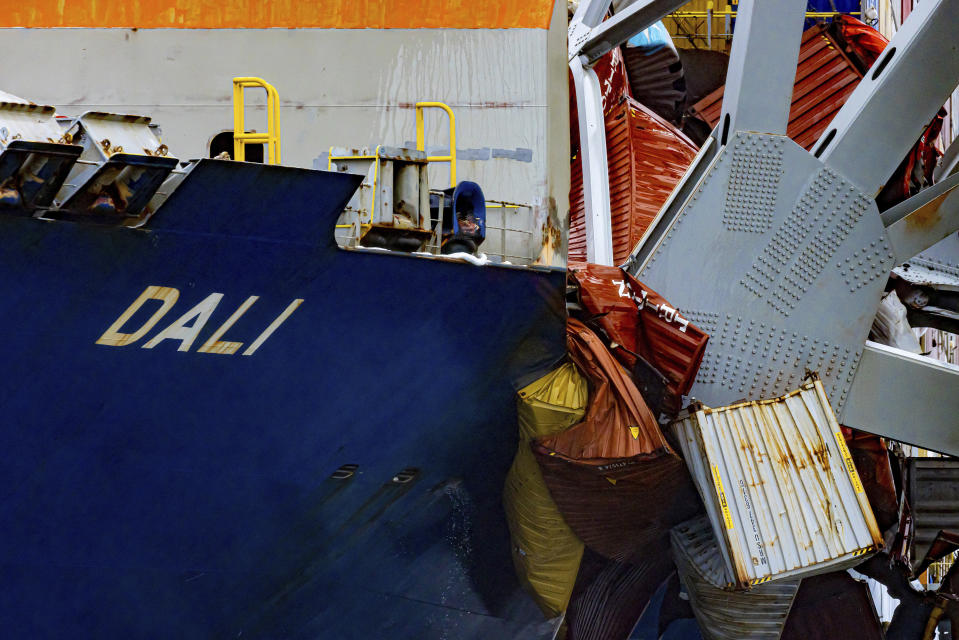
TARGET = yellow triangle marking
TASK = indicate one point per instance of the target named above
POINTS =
(635, 432)
(611, 480)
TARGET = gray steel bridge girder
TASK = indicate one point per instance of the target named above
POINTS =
(762, 63)
(782, 261)
(897, 98)
(906, 397)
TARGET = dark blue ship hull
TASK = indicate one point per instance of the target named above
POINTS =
(160, 493)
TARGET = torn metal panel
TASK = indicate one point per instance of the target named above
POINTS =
(723, 614)
(933, 493)
(640, 322)
(833, 605)
(945, 542)
(780, 486)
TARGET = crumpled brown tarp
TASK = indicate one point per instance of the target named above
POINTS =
(618, 424)
(616, 480)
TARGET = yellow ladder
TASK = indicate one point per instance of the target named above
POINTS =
(272, 136)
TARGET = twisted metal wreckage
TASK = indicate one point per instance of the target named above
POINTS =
(782, 256)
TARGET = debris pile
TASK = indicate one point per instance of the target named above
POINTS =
(756, 507)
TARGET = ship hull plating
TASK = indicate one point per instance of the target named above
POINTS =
(171, 492)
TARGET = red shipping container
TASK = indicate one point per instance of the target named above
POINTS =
(646, 156)
(638, 320)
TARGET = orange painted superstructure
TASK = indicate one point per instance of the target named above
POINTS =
(261, 14)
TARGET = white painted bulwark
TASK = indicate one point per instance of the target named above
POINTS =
(779, 485)
(338, 87)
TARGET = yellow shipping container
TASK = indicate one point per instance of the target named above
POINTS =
(546, 552)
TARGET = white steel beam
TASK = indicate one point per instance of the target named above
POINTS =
(590, 38)
(762, 67)
(636, 17)
(592, 149)
(906, 397)
(588, 14)
(900, 94)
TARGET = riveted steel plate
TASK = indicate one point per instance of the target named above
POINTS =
(783, 262)
(936, 267)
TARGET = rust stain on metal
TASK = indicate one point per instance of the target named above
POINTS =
(927, 216)
(813, 475)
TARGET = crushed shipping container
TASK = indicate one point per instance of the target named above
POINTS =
(833, 605)
(640, 322)
(615, 478)
(647, 157)
(932, 486)
(546, 552)
(826, 75)
(780, 487)
(610, 596)
(722, 614)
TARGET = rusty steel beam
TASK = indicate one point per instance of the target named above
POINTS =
(918, 223)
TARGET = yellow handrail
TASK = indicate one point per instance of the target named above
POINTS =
(421, 136)
(272, 136)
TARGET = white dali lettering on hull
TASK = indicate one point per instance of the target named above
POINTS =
(187, 327)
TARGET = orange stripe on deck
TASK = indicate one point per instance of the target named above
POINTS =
(258, 14)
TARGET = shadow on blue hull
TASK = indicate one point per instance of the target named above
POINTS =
(159, 493)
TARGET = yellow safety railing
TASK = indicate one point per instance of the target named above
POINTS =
(421, 136)
(729, 11)
(272, 136)
(376, 169)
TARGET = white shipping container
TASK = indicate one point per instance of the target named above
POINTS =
(757, 614)
(780, 488)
